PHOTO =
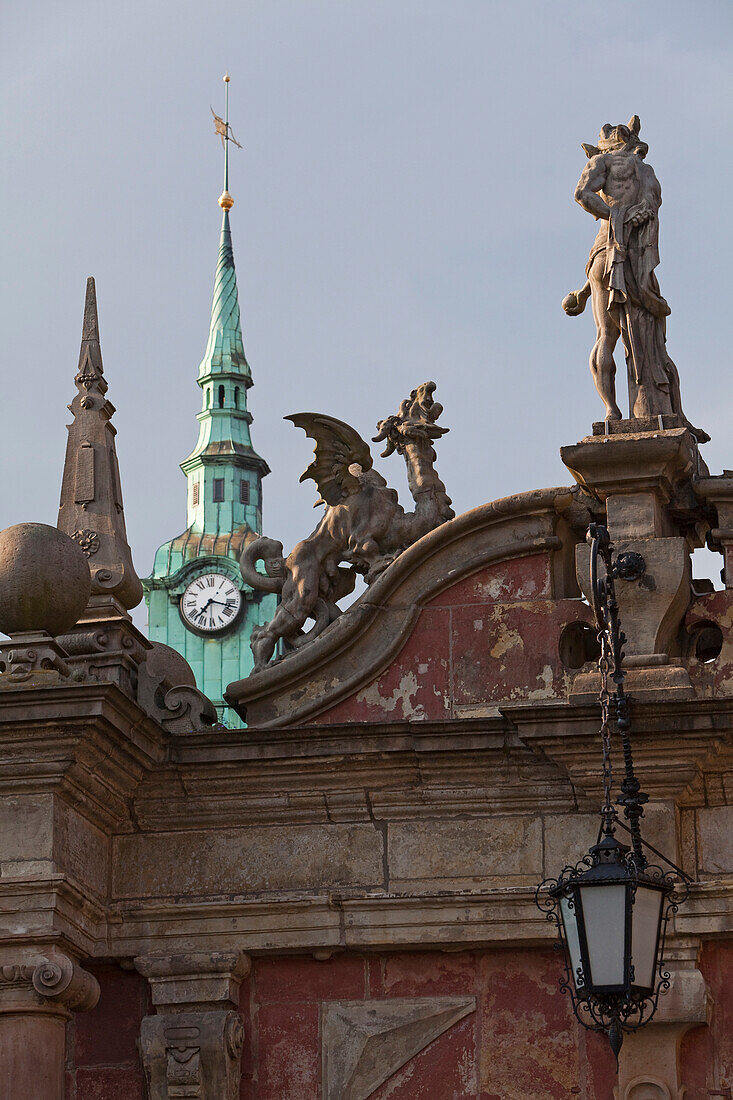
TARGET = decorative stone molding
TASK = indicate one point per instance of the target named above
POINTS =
(365, 1042)
(30, 653)
(106, 645)
(55, 979)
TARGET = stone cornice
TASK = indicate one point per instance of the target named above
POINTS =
(88, 741)
(496, 915)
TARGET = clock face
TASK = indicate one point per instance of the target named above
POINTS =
(210, 604)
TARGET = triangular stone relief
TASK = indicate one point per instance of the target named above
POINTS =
(365, 1042)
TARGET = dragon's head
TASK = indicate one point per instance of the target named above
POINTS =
(619, 139)
(414, 423)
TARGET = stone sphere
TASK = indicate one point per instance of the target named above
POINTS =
(44, 580)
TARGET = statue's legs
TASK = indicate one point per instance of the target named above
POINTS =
(602, 365)
(286, 623)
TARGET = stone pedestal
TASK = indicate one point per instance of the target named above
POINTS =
(36, 999)
(193, 1045)
(105, 644)
(644, 478)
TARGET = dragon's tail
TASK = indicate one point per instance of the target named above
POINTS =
(271, 553)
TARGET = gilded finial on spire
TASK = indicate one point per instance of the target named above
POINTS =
(224, 130)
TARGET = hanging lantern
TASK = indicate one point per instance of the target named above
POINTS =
(612, 908)
(612, 917)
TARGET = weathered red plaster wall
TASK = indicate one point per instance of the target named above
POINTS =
(522, 1042)
(707, 1052)
(489, 638)
(102, 1056)
(714, 677)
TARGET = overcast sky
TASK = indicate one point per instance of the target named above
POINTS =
(404, 211)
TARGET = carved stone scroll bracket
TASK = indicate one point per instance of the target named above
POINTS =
(187, 710)
(365, 1042)
(167, 692)
(649, 1060)
(193, 1045)
(34, 657)
(644, 479)
(653, 606)
(196, 1054)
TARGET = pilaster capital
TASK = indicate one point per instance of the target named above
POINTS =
(53, 981)
(199, 979)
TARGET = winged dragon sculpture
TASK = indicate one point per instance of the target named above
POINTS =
(363, 528)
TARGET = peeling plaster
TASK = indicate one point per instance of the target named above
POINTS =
(403, 693)
(507, 640)
(500, 585)
(546, 677)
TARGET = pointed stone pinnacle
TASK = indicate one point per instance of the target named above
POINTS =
(90, 370)
(91, 509)
(90, 327)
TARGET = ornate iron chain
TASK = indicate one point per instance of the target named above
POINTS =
(628, 567)
(604, 664)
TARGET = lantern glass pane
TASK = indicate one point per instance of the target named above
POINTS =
(645, 919)
(604, 917)
(570, 925)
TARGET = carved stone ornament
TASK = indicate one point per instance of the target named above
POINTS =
(621, 191)
(87, 539)
(192, 1054)
(30, 654)
(365, 1042)
(363, 528)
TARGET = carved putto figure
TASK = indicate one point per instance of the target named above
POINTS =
(621, 190)
(363, 528)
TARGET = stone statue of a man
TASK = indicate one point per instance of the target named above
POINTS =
(621, 190)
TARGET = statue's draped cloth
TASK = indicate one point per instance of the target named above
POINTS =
(631, 255)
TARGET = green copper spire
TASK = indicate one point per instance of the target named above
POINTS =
(225, 348)
(224, 492)
(224, 471)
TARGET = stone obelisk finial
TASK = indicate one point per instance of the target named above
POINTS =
(91, 495)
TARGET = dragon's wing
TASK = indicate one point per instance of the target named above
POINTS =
(337, 447)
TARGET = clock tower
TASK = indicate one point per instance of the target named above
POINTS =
(197, 600)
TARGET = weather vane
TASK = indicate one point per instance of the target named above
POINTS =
(224, 130)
